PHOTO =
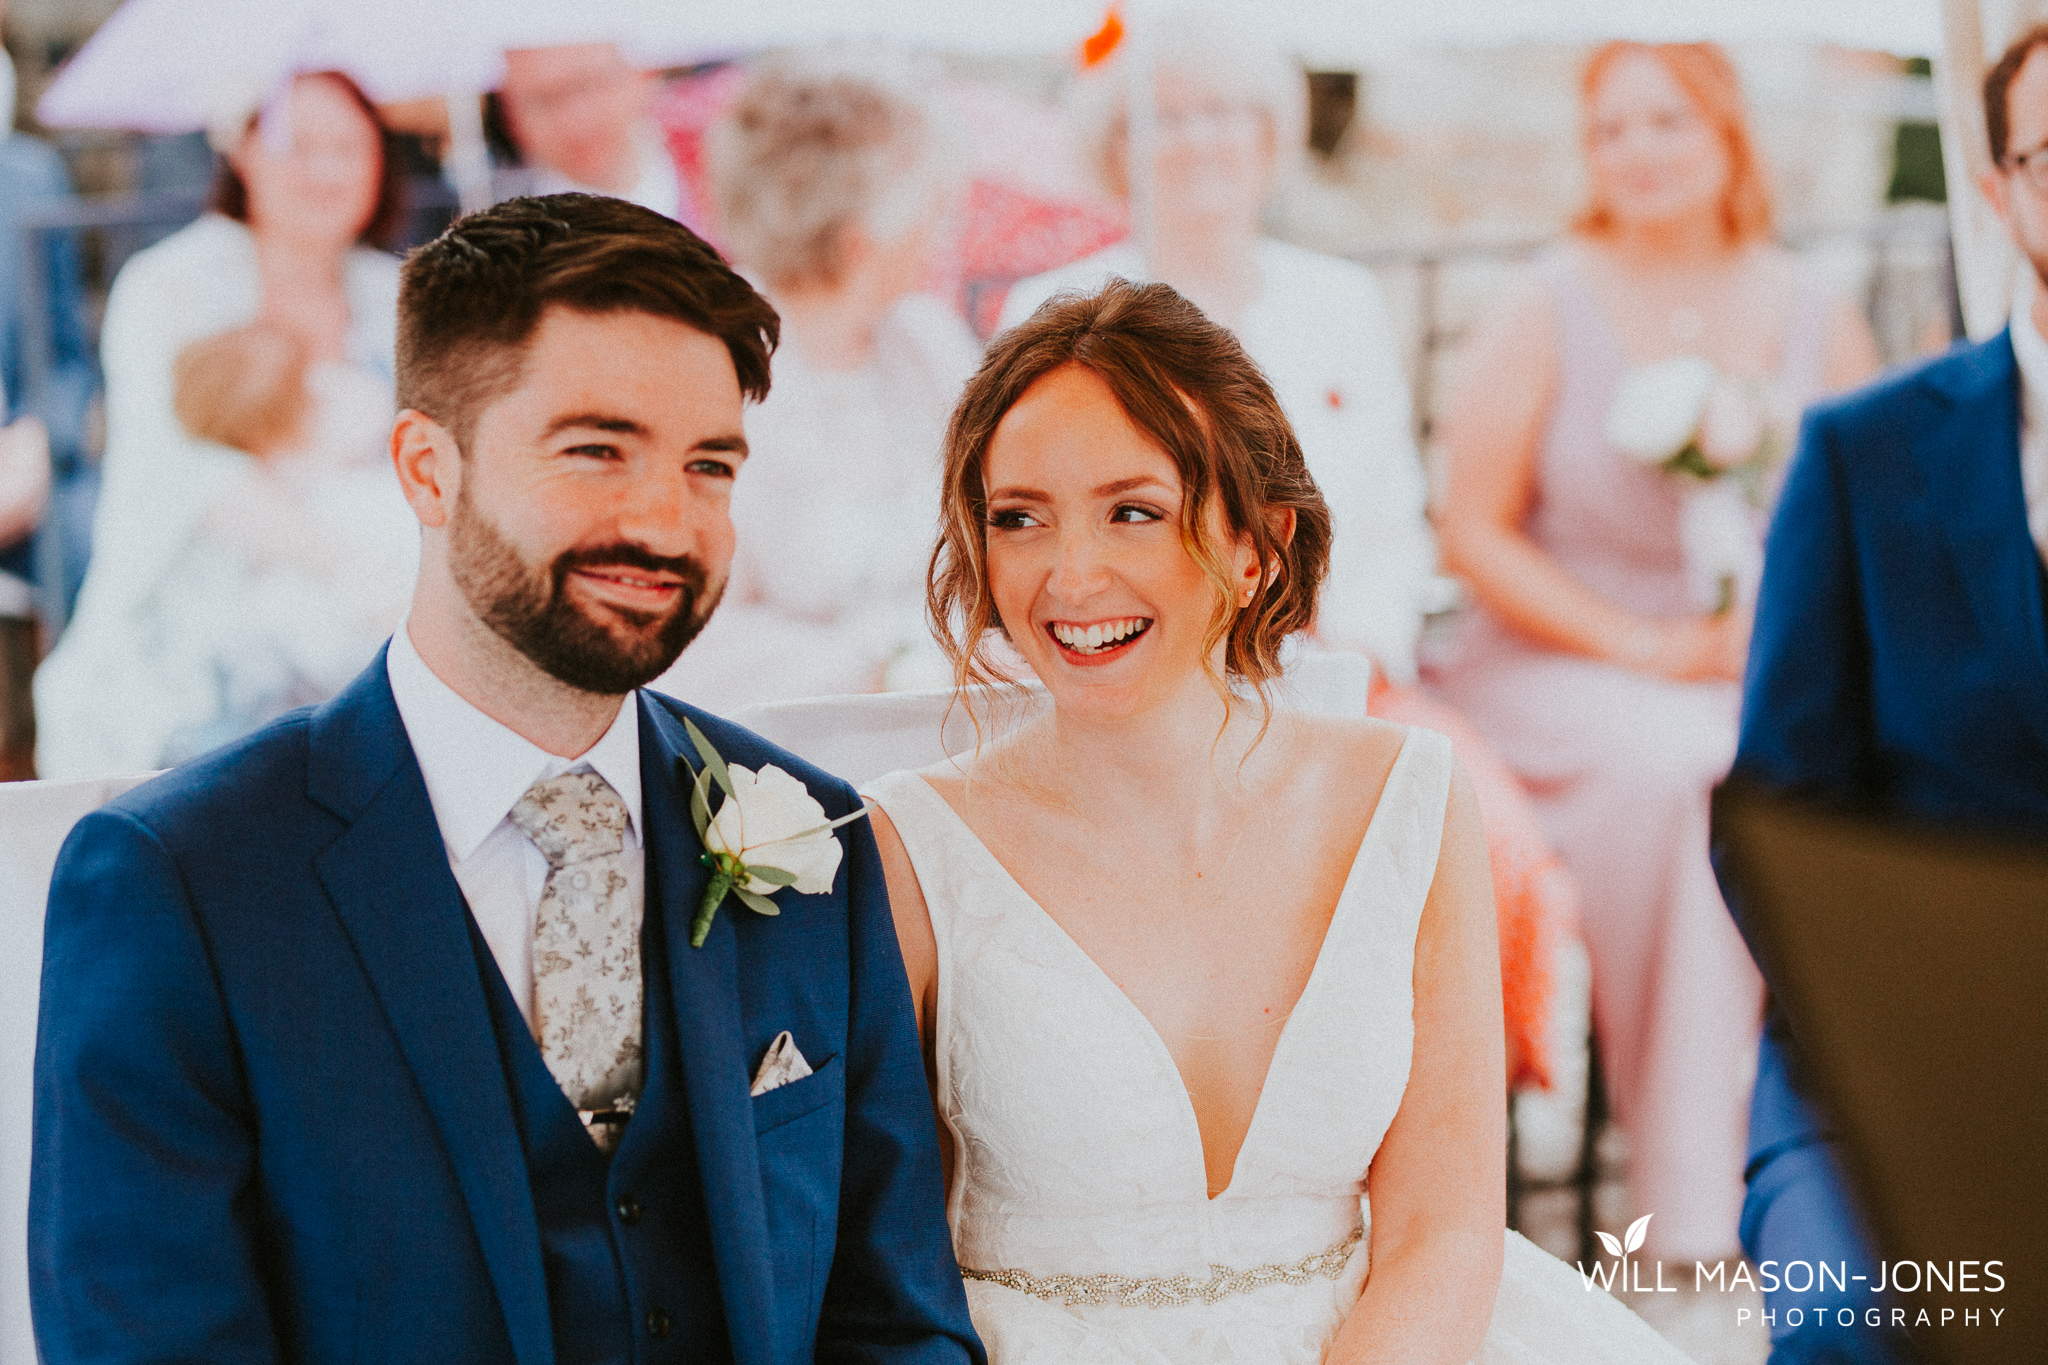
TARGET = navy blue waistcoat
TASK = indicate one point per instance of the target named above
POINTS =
(622, 1287)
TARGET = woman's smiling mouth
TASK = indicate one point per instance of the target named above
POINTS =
(1099, 639)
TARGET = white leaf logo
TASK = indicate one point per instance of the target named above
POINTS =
(1607, 1240)
(1637, 1231)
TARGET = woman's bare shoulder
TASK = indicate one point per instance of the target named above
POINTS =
(1351, 753)
(951, 777)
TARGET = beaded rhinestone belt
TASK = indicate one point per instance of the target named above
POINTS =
(1169, 1291)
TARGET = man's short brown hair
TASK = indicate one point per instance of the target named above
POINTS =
(1998, 85)
(469, 300)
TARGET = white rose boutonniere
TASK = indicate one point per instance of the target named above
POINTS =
(769, 832)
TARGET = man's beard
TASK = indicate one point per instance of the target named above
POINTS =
(528, 608)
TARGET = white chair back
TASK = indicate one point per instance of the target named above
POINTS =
(34, 818)
(861, 737)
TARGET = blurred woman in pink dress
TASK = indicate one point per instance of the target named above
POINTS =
(1592, 664)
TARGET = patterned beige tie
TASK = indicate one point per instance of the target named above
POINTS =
(586, 945)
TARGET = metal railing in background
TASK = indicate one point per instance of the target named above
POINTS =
(120, 225)
(116, 227)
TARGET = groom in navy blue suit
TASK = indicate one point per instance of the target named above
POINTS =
(1900, 662)
(379, 1035)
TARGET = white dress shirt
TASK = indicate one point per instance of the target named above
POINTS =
(2031, 351)
(476, 770)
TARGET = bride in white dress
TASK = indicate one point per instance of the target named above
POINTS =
(1209, 993)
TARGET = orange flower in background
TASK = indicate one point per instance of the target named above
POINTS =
(1099, 45)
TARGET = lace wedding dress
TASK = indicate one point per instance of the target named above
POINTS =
(1080, 1208)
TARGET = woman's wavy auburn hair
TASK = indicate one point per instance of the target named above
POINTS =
(1186, 383)
(1708, 79)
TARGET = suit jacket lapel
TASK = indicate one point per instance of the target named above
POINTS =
(391, 885)
(711, 1052)
(1972, 472)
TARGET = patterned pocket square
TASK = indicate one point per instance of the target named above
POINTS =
(782, 1065)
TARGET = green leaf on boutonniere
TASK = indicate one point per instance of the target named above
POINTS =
(713, 764)
(700, 809)
(755, 901)
(772, 874)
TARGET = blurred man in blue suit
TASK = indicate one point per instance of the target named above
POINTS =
(1900, 661)
(379, 1035)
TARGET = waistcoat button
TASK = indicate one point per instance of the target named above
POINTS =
(628, 1209)
(657, 1323)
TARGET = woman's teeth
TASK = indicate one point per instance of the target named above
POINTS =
(1105, 635)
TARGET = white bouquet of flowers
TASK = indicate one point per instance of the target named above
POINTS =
(1721, 437)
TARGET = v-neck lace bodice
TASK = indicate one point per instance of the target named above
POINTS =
(1079, 1159)
(1079, 1150)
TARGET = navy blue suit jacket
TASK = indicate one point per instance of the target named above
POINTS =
(1900, 660)
(271, 1122)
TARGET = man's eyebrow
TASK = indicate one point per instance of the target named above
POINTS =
(732, 445)
(593, 421)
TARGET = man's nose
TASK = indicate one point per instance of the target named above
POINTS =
(663, 512)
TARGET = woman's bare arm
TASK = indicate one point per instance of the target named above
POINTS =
(1492, 429)
(913, 918)
(1437, 1185)
(24, 478)
(920, 955)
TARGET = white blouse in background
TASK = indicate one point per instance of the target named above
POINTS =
(835, 513)
(1319, 331)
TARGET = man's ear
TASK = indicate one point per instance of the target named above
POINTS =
(429, 466)
(1993, 185)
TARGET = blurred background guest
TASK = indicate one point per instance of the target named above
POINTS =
(830, 173)
(43, 473)
(1230, 124)
(289, 589)
(302, 197)
(1592, 665)
(581, 118)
